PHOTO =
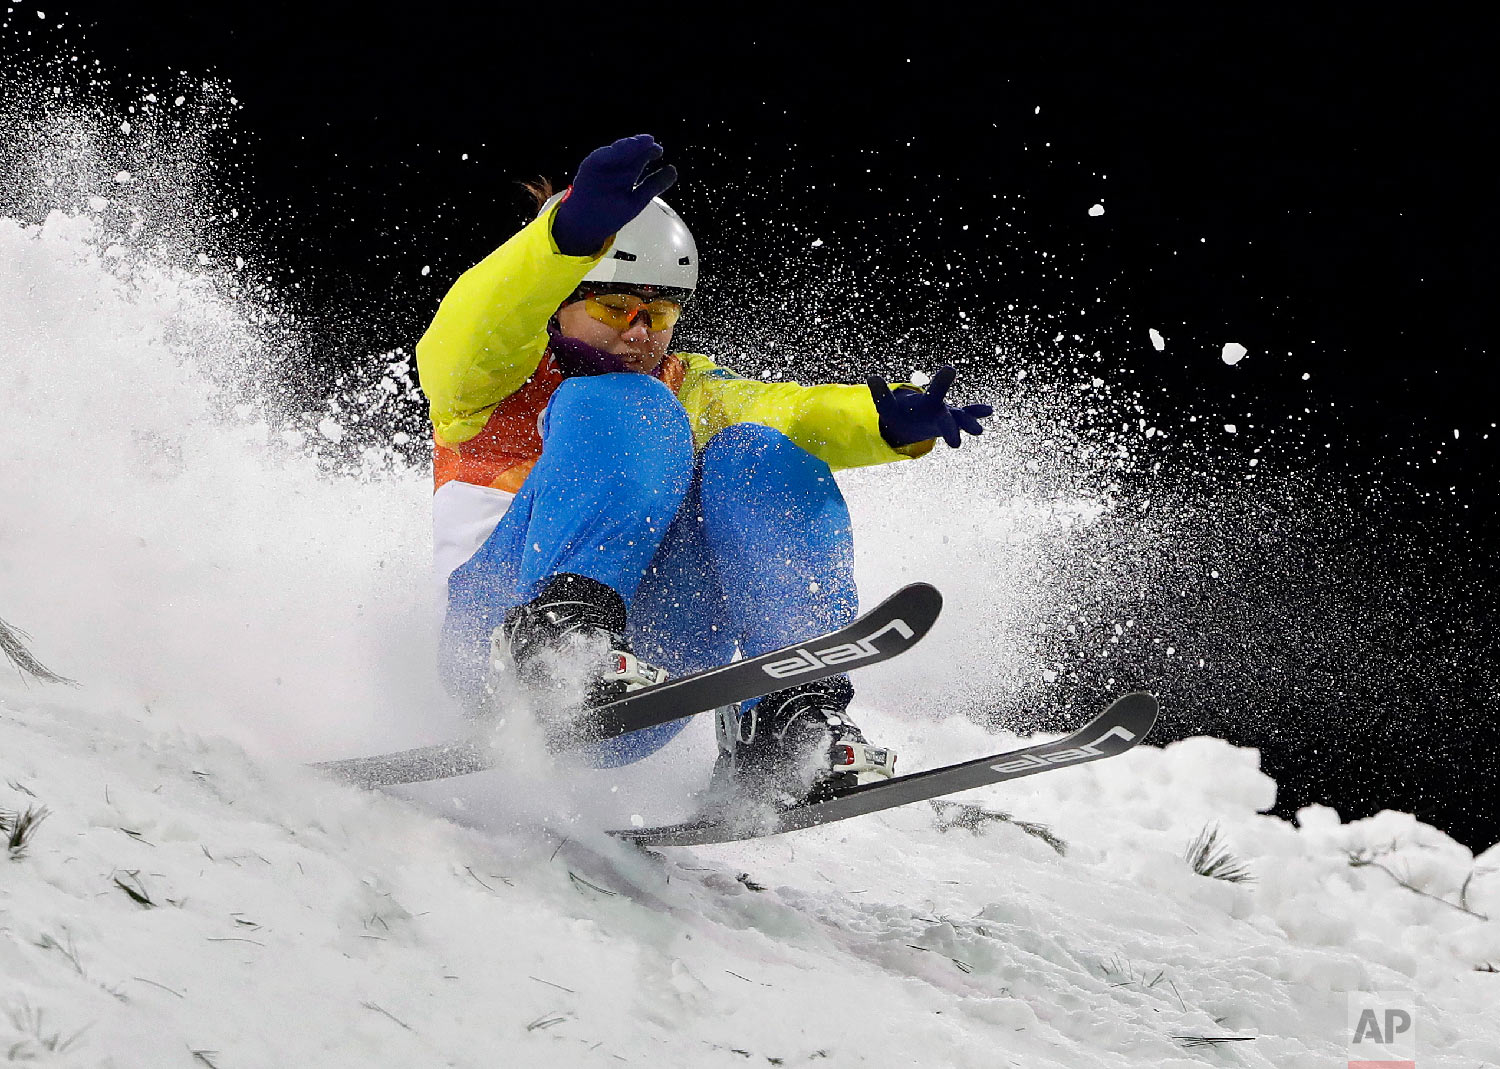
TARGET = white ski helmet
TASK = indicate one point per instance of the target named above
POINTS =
(655, 248)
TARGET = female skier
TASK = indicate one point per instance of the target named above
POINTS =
(599, 496)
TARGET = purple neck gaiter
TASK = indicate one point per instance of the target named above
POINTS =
(576, 357)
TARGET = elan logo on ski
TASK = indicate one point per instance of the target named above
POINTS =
(1086, 752)
(891, 628)
(806, 660)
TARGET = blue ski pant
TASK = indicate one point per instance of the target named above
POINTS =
(748, 544)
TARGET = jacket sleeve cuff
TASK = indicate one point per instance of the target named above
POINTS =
(552, 241)
(912, 449)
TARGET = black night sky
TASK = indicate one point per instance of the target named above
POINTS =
(1305, 182)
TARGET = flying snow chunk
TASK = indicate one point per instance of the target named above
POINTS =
(1097, 210)
(1157, 341)
(98, 204)
(1233, 353)
(426, 270)
(920, 378)
(817, 243)
(1231, 428)
(124, 177)
(330, 429)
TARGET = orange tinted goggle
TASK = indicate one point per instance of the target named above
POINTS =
(619, 310)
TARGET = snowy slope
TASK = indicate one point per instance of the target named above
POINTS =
(299, 922)
(231, 611)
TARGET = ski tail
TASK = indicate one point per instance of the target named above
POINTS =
(443, 760)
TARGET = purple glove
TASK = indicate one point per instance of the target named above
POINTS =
(909, 416)
(605, 194)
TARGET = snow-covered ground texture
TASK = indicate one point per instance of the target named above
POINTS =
(183, 896)
(237, 596)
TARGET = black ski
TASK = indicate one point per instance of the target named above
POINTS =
(1112, 732)
(892, 627)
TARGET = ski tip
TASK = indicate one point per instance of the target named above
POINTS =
(922, 596)
(1137, 705)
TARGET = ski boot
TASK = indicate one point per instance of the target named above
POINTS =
(567, 649)
(796, 746)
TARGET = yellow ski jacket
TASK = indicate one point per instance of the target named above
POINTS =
(487, 374)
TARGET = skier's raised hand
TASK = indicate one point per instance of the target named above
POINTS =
(909, 415)
(610, 189)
